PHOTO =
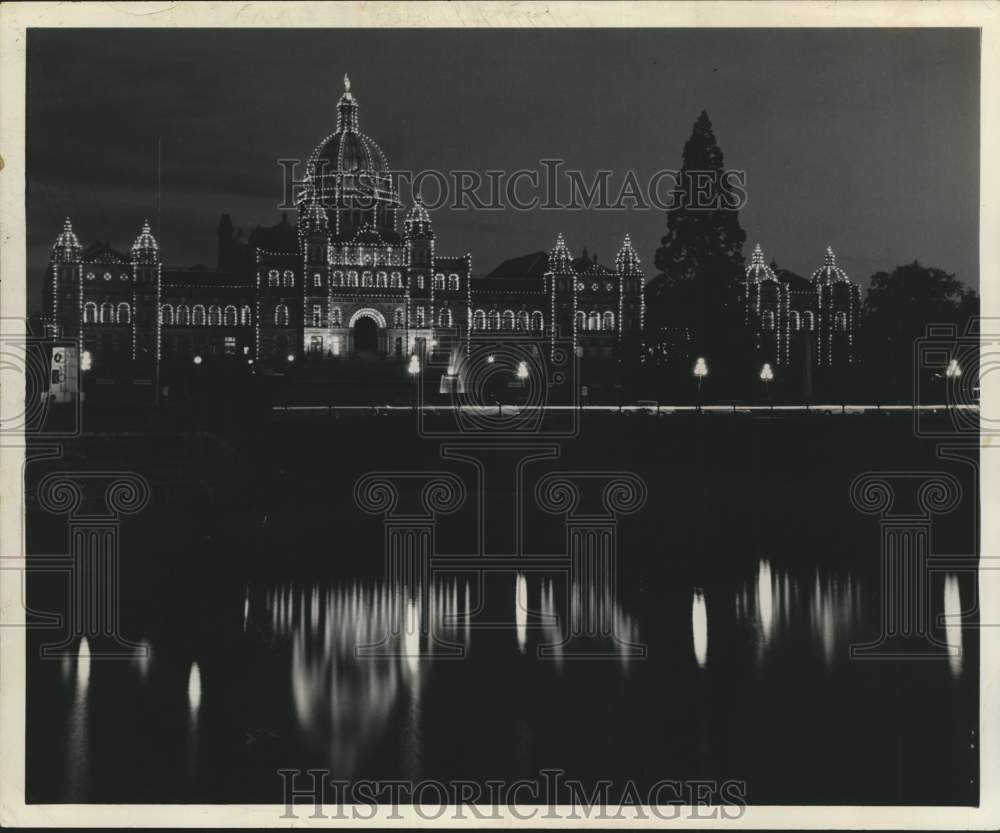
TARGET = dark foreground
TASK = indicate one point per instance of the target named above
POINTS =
(255, 582)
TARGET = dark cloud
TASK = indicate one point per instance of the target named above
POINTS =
(864, 139)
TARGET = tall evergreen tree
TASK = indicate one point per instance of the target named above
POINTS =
(700, 259)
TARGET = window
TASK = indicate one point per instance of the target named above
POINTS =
(366, 279)
(420, 281)
(768, 320)
(396, 281)
(124, 314)
(338, 278)
(288, 278)
(609, 321)
(453, 283)
(420, 316)
(794, 321)
(198, 315)
(581, 321)
(317, 315)
(167, 314)
(281, 315)
(272, 277)
(537, 321)
(508, 319)
(317, 280)
(808, 320)
(230, 345)
(840, 322)
(183, 316)
(382, 280)
(444, 318)
(107, 276)
(90, 276)
(316, 345)
(245, 315)
(522, 320)
(230, 317)
(493, 320)
(90, 313)
(594, 321)
(479, 320)
(335, 319)
(397, 318)
(352, 279)
(439, 282)
(107, 313)
(214, 316)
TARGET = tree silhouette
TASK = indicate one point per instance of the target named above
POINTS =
(899, 306)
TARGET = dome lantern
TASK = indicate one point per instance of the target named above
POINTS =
(418, 220)
(560, 260)
(145, 248)
(758, 270)
(829, 272)
(67, 247)
(627, 261)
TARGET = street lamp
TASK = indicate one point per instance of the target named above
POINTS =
(86, 360)
(290, 357)
(490, 359)
(766, 376)
(522, 371)
(952, 372)
(414, 367)
(197, 360)
(700, 372)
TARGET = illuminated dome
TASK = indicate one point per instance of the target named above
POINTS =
(829, 272)
(67, 246)
(349, 176)
(627, 261)
(145, 247)
(759, 271)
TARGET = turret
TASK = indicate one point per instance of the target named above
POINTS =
(632, 306)
(63, 287)
(418, 237)
(145, 317)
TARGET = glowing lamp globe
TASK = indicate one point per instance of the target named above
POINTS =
(954, 370)
(414, 367)
(700, 368)
(490, 359)
(522, 370)
(291, 357)
(766, 374)
(197, 360)
(86, 361)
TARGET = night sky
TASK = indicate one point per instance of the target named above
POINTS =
(866, 140)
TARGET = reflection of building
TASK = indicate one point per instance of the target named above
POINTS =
(346, 280)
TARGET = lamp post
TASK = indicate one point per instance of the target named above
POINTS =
(700, 372)
(522, 371)
(952, 372)
(766, 376)
(414, 370)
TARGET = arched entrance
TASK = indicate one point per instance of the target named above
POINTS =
(367, 333)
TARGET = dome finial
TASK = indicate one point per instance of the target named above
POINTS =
(347, 83)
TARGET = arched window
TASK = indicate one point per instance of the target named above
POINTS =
(581, 321)
(840, 322)
(397, 318)
(198, 315)
(107, 313)
(281, 315)
(444, 318)
(230, 317)
(338, 278)
(438, 282)
(809, 320)
(479, 320)
(272, 277)
(366, 279)
(767, 320)
(453, 283)
(352, 279)
(522, 320)
(493, 320)
(594, 321)
(288, 279)
(245, 315)
(183, 316)
(794, 321)
(214, 316)
(609, 321)
(382, 280)
(335, 317)
(167, 315)
(420, 281)
(397, 281)
(90, 313)
(317, 279)
(420, 316)
(537, 321)
(317, 315)
(508, 319)
(124, 314)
